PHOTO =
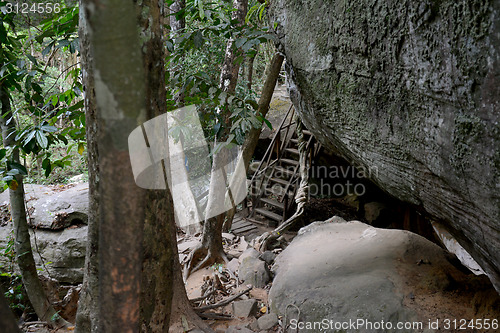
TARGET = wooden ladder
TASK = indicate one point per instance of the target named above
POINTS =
(274, 183)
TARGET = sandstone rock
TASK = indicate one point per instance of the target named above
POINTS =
(236, 329)
(267, 321)
(253, 271)
(251, 252)
(339, 270)
(268, 257)
(62, 251)
(50, 207)
(233, 265)
(407, 91)
(245, 308)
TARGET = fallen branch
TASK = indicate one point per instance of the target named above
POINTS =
(222, 303)
(216, 316)
(201, 298)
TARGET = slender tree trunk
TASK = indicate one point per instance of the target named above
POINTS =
(211, 249)
(24, 254)
(177, 26)
(251, 61)
(87, 318)
(252, 137)
(158, 253)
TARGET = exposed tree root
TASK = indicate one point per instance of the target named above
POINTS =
(195, 261)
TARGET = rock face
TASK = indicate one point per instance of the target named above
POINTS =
(54, 208)
(338, 271)
(62, 251)
(410, 91)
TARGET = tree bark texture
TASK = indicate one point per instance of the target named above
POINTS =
(22, 244)
(87, 319)
(159, 225)
(121, 105)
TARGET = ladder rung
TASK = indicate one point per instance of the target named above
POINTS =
(293, 151)
(269, 214)
(289, 161)
(307, 132)
(279, 191)
(280, 181)
(283, 171)
(273, 203)
(295, 140)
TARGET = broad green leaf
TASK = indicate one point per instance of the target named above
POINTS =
(41, 139)
(19, 167)
(48, 128)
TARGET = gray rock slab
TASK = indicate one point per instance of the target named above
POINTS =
(253, 271)
(50, 207)
(267, 321)
(340, 271)
(63, 252)
(244, 308)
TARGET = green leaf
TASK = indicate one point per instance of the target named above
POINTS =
(200, 9)
(268, 123)
(19, 168)
(198, 39)
(261, 11)
(240, 41)
(48, 128)
(3, 152)
(230, 138)
(41, 139)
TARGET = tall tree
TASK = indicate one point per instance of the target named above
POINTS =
(135, 256)
(210, 249)
(87, 319)
(24, 254)
(159, 224)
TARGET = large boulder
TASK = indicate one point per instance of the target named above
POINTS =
(54, 207)
(410, 91)
(62, 252)
(337, 272)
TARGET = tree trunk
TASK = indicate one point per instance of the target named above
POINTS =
(24, 254)
(211, 249)
(7, 319)
(251, 61)
(252, 137)
(158, 253)
(120, 98)
(87, 319)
